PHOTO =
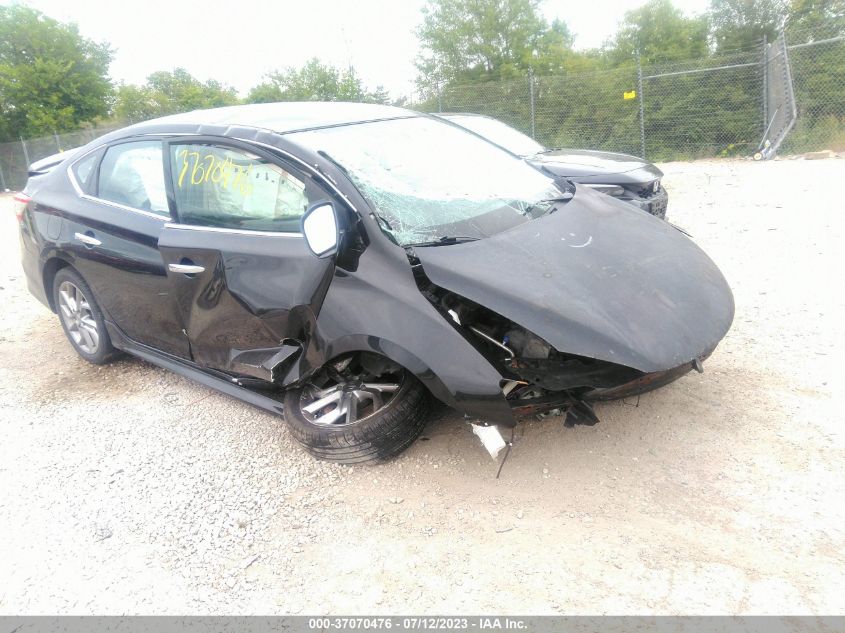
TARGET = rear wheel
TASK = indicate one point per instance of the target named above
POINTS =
(360, 409)
(81, 317)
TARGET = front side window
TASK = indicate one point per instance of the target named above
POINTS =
(226, 187)
(430, 180)
(132, 174)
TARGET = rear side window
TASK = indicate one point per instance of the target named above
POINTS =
(83, 171)
(132, 174)
(225, 187)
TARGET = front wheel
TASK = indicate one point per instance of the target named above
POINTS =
(350, 414)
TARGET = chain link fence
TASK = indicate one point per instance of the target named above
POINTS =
(16, 156)
(788, 94)
(817, 58)
(727, 104)
(703, 107)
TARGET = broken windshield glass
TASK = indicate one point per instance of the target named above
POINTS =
(429, 179)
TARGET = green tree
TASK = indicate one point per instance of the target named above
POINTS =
(379, 95)
(470, 40)
(741, 24)
(315, 81)
(826, 18)
(179, 91)
(554, 53)
(169, 92)
(51, 78)
(661, 33)
(134, 103)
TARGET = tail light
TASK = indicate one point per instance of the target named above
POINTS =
(20, 202)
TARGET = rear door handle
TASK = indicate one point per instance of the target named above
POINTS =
(185, 269)
(88, 240)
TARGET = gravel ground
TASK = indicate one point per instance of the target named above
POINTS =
(127, 489)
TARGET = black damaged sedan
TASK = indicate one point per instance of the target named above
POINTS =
(345, 264)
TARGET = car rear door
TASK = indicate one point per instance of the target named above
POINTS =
(247, 286)
(112, 231)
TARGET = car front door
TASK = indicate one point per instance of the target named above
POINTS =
(112, 231)
(247, 286)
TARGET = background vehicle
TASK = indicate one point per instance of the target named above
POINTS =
(622, 176)
(331, 262)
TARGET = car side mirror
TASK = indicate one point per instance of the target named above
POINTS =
(320, 228)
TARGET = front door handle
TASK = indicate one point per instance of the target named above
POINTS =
(185, 269)
(88, 240)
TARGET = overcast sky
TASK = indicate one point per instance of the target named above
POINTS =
(238, 41)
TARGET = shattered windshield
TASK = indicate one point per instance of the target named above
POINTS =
(429, 180)
(499, 133)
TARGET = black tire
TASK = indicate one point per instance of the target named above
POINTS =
(104, 351)
(375, 438)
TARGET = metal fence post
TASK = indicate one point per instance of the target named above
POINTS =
(531, 95)
(439, 97)
(25, 152)
(3, 186)
(765, 81)
(642, 105)
(58, 142)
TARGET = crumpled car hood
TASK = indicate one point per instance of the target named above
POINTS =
(596, 279)
(574, 163)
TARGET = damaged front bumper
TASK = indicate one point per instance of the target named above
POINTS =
(640, 385)
(653, 202)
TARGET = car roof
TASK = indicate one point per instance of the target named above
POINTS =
(285, 117)
(452, 115)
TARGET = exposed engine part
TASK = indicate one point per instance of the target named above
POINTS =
(537, 377)
(509, 386)
(489, 338)
(526, 344)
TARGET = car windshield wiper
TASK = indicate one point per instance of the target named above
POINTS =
(537, 209)
(446, 240)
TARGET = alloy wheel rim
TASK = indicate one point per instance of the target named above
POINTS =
(347, 402)
(76, 313)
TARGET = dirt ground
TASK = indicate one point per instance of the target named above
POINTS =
(127, 489)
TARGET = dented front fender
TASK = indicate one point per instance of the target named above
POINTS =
(379, 308)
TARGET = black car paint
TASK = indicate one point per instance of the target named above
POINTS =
(374, 307)
(235, 321)
(259, 293)
(256, 292)
(636, 177)
(125, 272)
(627, 265)
(589, 166)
